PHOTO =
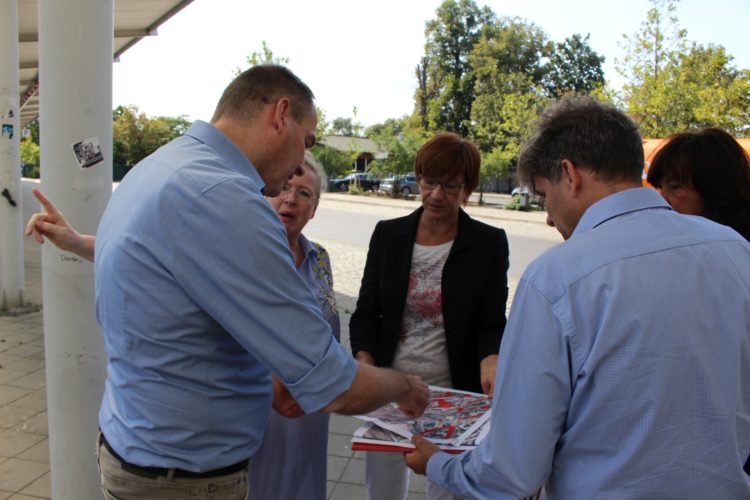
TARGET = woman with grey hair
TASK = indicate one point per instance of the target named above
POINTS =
(291, 463)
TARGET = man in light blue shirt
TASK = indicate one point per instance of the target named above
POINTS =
(624, 368)
(199, 301)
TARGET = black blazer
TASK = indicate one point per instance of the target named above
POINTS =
(474, 293)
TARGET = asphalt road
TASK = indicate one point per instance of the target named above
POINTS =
(353, 228)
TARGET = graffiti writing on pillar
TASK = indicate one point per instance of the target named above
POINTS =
(7, 131)
(69, 258)
(7, 196)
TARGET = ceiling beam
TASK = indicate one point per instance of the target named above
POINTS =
(119, 33)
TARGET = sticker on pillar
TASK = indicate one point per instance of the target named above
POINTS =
(6, 109)
(7, 131)
(88, 152)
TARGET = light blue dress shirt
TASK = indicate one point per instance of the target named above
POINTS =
(624, 367)
(198, 299)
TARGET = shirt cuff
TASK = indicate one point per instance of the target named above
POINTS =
(327, 380)
(436, 467)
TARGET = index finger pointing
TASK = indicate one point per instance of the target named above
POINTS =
(49, 207)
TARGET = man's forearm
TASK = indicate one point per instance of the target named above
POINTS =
(374, 387)
(86, 247)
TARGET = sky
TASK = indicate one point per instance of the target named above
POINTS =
(362, 54)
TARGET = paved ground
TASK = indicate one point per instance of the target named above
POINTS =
(24, 454)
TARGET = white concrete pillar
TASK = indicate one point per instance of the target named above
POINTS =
(75, 91)
(11, 223)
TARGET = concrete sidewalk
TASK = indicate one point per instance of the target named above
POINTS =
(24, 453)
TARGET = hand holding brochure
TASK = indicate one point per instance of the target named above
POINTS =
(454, 420)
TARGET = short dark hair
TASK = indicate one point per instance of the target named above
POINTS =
(592, 135)
(449, 155)
(261, 85)
(713, 163)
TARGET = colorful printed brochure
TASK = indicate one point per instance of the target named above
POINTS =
(454, 420)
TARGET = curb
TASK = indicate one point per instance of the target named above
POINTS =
(487, 211)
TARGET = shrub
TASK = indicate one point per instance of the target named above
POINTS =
(515, 203)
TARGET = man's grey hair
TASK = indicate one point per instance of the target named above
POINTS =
(259, 86)
(317, 168)
(588, 133)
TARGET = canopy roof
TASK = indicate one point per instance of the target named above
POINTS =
(134, 19)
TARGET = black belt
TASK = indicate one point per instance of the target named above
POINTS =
(154, 472)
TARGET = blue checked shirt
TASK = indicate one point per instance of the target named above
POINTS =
(625, 365)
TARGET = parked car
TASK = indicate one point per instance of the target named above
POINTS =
(527, 196)
(366, 182)
(407, 184)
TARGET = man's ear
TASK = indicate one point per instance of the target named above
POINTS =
(280, 113)
(572, 176)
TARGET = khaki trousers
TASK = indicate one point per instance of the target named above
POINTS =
(118, 484)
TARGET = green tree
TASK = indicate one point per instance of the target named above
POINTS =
(650, 68)
(511, 46)
(503, 112)
(29, 151)
(33, 131)
(503, 126)
(263, 56)
(135, 135)
(495, 165)
(342, 126)
(335, 163)
(674, 85)
(509, 69)
(574, 68)
(176, 125)
(422, 95)
(346, 126)
(400, 139)
(718, 92)
(322, 127)
(390, 127)
(445, 79)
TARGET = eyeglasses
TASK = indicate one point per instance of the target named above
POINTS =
(449, 187)
(303, 195)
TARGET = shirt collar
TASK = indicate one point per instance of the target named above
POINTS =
(622, 202)
(306, 245)
(236, 160)
(309, 249)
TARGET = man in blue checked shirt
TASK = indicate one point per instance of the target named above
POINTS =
(199, 302)
(624, 368)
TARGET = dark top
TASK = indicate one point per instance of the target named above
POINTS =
(474, 294)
